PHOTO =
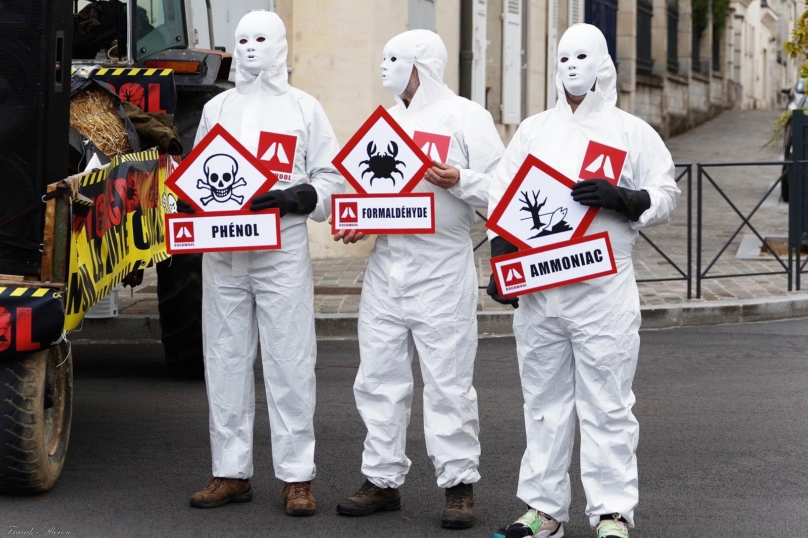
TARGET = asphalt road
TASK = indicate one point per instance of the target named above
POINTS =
(723, 446)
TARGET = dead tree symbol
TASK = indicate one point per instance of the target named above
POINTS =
(533, 208)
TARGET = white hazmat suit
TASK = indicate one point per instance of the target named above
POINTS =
(266, 294)
(577, 345)
(420, 291)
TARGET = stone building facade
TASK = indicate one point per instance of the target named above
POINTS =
(674, 70)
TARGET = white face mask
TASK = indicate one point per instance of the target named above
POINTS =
(577, 61)
(255, 43)
(399, 59)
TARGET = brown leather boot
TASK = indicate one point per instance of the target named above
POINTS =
(459, 510)
(221, 491)
(299, 498)
(369, 500)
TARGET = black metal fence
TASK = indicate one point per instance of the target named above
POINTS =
(684, 172)
(704, 177)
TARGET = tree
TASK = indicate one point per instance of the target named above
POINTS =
(797, 47)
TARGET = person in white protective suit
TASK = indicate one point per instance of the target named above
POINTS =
(577, 345)
(266, 294)
(420, 293)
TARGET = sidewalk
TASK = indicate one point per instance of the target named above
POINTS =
(733, 136)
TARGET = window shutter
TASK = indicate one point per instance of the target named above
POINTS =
(552, 52)
(479, 59)
(576, 11)
(422, 15)
(512, 62)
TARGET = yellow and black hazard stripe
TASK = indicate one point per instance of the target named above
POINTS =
(18, 291)
(100, 175)
(145, 155)
(93, 178)
(82, 201)
(124, 71)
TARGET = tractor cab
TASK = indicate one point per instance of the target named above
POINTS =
(144, 34)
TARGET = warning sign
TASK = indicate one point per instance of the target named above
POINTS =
(381, 158)
(434, 146)
(537, 208)
(602, 162)
(384, 213)
(220, 174)
(538, 269)
(219, 232)
(277, 152)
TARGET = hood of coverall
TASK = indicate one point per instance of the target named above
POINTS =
(588, 38)
(269, 73)
(429, 59)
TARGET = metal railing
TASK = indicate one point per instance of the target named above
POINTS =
(703, 274)
(685, 274)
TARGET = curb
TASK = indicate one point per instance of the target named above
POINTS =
(128, 328)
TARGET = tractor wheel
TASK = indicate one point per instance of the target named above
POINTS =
(179, 300)
(36, 407)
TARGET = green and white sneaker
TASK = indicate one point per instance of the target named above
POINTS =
(612, 528)
(533, 523)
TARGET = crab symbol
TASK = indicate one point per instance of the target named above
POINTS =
(220, 172)
(382, 164)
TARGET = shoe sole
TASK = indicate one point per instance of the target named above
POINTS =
(456, 524)
(240, 498)
(300, 512)
(384, 506)
(559, 533)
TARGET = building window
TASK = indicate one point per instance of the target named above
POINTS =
(696, 52)
(645, 11)
(673, 36)
(603, 14)
(716, 52)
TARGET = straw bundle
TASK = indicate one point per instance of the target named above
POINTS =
(94, 114)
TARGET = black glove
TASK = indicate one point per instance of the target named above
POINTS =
(500, 247)
(299, 200)
(601, 193)
(184, 207)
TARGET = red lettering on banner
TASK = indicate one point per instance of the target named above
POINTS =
(154, 99)
(24, 342)
(5, 329)
(132, 92)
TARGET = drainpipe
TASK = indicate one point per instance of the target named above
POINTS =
(466, 46)
(210, 25)
(525, 56)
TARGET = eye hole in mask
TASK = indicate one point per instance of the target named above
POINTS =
(564, 60)
(582, 56)
(243, 41)
(262, 39)
(393, 59)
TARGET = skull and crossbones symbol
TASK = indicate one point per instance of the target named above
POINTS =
(220, 174)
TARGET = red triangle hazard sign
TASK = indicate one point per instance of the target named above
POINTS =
(220, 175)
